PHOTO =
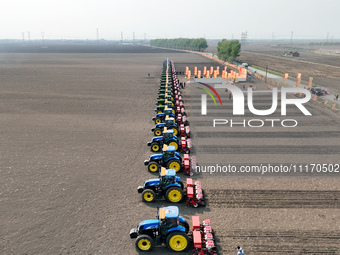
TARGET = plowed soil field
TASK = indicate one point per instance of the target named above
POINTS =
(74, 128)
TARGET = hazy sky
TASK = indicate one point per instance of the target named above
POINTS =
(79, 19)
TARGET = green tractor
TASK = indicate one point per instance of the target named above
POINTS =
(165, 91)
(166, 86)
(167, 104)
(165, 96)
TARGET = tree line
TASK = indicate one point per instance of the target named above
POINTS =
(199, 44)
(228, 50)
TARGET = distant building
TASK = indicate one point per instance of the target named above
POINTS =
(296, 54)
(291, 54)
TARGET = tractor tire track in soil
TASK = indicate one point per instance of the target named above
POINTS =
(329, 134)
(234, 149)
(273, 198)
(285, 242)
(283, 216)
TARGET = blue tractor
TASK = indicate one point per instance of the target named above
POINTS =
(169, 123)
(167, 138)
(169, 228)
(160, 117)
(168, 185)
(169, 158)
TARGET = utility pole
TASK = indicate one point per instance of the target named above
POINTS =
(23, 37)
(42, 37)
(327, 36)
(133, 36)
(291, 38)
(121, 37)
(97, 35)
(29, 36)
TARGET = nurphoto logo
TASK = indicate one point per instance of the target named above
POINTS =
(239, 105)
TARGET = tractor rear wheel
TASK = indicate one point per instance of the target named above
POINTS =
(175, 144)
(177, 241)
(186, 226)
(157, 132)
(174, 164)
(144, 243)
(174, 195)
(175, 131)
(182, 185)
(158, 120)
(148, 195)
(153, 167)
(155, 147)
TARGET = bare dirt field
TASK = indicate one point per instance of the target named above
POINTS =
(271, 213)
(324, 68)
(73, 139)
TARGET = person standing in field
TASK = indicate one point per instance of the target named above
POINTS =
(240, 250)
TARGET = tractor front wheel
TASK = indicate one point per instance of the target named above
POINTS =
(155, 147)
(158, 120)
(153, 167)
(174, 195)
(148, 195)
(144, 243)
(157, 132)
(174, 164)
(177, 241)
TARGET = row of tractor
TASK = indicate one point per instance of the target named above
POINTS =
(172, 146)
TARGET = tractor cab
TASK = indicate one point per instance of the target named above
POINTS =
(168, 135)
(168, 111)
(165, 96)
(167, 177)
(161, 96)
(169, 121)
(165, 91)
(169, 97)
(165, 86)
(168, 219)
(168, 152)
(160, 102)
(168, 103)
